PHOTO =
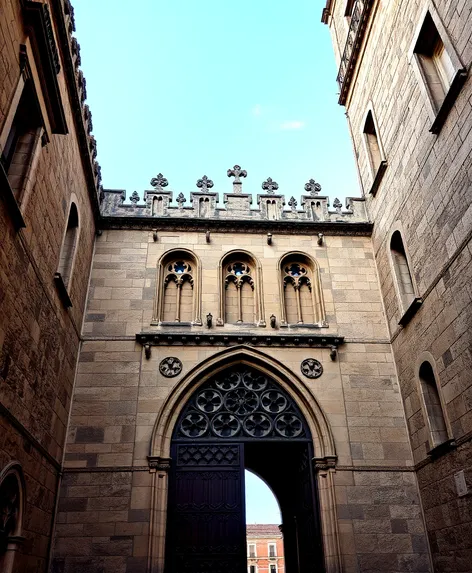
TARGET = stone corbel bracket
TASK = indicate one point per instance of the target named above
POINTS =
(158, 464)
(325, 463)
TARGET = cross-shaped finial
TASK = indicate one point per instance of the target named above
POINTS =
(270, 186)
(204, 184)
(337, 205)
(159, 181)
(292, 203)
(181, 200)
(236, 172)
(312, 187)
(134, 198)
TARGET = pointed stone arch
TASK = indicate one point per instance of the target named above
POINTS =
(321, 432)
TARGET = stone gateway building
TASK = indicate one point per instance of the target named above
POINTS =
(327, 349)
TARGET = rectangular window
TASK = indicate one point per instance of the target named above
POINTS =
(273, 569)
(252, 569)
(272, 550)
(435, 62)
(252, 550)
(437, 66)
(22, 140)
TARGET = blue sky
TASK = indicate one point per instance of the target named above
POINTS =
(261, 505)
(189, 88)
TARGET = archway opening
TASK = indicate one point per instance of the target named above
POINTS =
(264, 538)
(240, 419)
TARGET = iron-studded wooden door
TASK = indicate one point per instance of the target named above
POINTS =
(206, 529)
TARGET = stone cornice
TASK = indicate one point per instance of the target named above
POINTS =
(152, 338)
(238, 226)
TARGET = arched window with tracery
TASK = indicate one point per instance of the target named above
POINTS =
(301, 295)
(12, 493)
(178, 289)
(240, 290)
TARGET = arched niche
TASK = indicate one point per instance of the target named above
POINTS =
(301, 296)
(321, 438)
(178, 288)
(12, 501)
(240, 289)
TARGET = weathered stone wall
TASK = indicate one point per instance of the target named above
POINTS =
(427, 187)
(104, 513)
(39, 337)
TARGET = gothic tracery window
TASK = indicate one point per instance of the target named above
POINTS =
(178, 288)
(301, 293)
(11, 514)
(239, 287)
(240, 290)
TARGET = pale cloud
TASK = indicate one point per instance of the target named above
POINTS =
(291, 125)
(257, 110)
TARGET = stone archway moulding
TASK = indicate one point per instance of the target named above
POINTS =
(323, 442)
(14, 539)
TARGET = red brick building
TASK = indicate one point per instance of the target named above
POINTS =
(265, 549)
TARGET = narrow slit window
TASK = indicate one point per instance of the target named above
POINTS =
(372, 141)
(69, 245)
(433, 406)
(402, 271)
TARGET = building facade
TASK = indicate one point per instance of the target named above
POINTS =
(327, 349)
(404, 80)
(265, 548)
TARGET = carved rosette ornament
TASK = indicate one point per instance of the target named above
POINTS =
(243, 404)
(170, 367)
(311, 368)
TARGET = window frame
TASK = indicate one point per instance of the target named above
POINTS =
(375, 173)
(438, 115)
(249, 550)
(274, 545)
(64, 283)
(406, 312)
(435, 449)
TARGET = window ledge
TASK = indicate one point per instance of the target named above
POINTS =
(378, 178)
(411, 311)
(323, 324)
(175, 323)
(9, 198)
(62, 290)
(442, 449)
(449, 100)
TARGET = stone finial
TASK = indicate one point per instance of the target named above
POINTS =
(237, 172)
(159, 181)
(270, 186)
(337, 205)
(292, 204)
(204, 184)
(134, 197)
(181, 200)
(312, 187)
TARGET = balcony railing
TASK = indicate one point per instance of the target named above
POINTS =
(359, 18)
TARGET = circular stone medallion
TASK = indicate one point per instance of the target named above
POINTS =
(170, 367)
(311, 368)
